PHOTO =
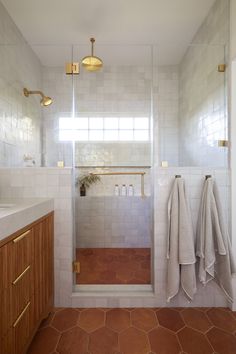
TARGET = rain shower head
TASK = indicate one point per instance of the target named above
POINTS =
(91, 62)
(45, 101)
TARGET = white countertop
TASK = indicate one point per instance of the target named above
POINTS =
(21, 212)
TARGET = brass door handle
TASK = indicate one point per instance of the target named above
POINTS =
(20, 276)
(17, 239)
(21, 315)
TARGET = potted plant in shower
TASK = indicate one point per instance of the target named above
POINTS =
(86, 181)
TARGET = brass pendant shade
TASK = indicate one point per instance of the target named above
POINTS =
(92, 63)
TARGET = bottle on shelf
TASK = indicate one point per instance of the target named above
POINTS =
(116, 190)
(123, 190)
(131, 190)
(82, 190)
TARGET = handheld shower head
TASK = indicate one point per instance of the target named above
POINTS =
(45, 101)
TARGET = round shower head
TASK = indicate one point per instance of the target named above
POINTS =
(46, 101)
(91, 62)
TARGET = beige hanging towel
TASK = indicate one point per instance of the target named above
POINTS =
(180, 244)
(213, 244)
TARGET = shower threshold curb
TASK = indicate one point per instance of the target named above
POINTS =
(112, 290)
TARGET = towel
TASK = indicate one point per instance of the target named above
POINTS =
(180, 244)
(213, 244)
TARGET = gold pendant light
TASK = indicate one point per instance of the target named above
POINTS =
(92, 63)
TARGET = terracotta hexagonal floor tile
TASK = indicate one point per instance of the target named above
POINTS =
(118, 319)
(73, 341)
(163, 341)
(170, 319)
(45, 340)
(222, 342)
(91, 319)
(194, 342)
(103, 341)
(196, 319)
(222, 319)
(65, 319)
(134, 341)
(144, 319)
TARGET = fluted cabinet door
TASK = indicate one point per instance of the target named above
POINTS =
(26, 284)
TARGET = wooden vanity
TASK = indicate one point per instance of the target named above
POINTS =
(26, 283)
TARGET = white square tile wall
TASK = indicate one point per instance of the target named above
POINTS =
(113, 222)
(115, 91)
(203, 114)
(20, 117)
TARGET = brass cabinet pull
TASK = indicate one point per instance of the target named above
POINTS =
(17, 239)
(21, 315)
(20, 276)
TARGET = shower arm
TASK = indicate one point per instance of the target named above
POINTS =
(92, 40)
(27, 93)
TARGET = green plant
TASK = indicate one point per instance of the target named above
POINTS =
(88, 180)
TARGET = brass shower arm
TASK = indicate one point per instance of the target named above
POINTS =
(27, 93)
(92, 40)
(45, 101)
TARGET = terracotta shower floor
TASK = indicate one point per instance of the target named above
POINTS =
(114, 266)
(137, 331)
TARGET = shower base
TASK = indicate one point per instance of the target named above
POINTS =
(114, 265)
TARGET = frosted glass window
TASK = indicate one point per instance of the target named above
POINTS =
(141, 123)
(81, 123)
(81, 135)
(96, 135)
(111, 135)
(95, 123)
(111, 123)
(66, 123)
(107, 128)
(141, 135)
(126, 135)
(126, 123)
(66, 135)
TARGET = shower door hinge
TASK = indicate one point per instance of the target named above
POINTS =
(221, 68)
(76, 267)
(72, 68)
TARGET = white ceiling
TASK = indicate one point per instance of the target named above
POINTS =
(119, 26)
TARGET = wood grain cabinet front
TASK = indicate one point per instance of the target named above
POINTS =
(26, 284)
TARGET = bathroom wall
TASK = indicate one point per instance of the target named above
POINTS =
(53, 183)
(210, 295)
(105, 220)
(203, 115)
(20, 117)
(115, 91)
(60, 87)
(166, 114)
(113, 222)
